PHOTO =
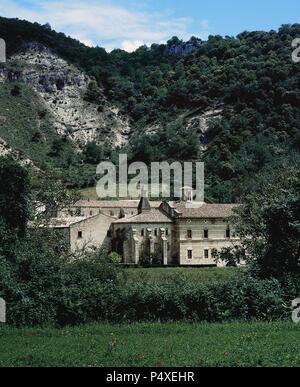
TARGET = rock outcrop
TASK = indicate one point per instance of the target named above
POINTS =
(63, 87)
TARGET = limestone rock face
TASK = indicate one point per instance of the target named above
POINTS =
(63, 87)
(183, 49)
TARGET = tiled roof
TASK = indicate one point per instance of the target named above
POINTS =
(152, 216)
(112, 204)
(204, 210)
(64, 222)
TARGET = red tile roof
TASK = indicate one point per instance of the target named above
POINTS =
(212, 211)
(112, 204)
(152, 216)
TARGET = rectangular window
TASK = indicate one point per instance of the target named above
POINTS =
(167, 232)
(228, 233)
(190, 254)
(190, 234)
(206, 254)
(206, 234)
(79, 234)
(142, 232)
(155, 232)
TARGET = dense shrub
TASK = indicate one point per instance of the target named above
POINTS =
(41, 285)
(86, 292)
(243, 299)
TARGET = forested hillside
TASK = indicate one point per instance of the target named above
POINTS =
(232, 102)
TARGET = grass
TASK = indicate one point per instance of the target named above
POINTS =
(89, 193)
(163, 275)
(158, 345)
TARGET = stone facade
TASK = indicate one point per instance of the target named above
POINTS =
(182, 233)
(83, 232)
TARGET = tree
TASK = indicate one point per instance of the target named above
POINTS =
(93, 153)
(14, 197)
(269, 222)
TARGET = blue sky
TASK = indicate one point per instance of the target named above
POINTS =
(128, 24)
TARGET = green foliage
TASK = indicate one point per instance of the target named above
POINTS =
(231, 256)
(249, 79)
(93, 93)
(145, 260)
(14, 197)
(151, 260)
(42, 285)
(116, 259)
(269, 222)
(157, 259)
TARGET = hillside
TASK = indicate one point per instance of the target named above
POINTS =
(232, 102)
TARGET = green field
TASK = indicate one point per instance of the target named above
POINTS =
(88, 193)
(158, 345)
(169, 274)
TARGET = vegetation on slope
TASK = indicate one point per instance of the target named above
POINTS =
(251, 80)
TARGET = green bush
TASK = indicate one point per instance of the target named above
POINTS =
(157, 259)
(42, 286)
(244, 299)
(145, 260)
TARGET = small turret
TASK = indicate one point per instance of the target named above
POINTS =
(187, 194)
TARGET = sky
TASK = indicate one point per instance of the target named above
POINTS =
(128, 24)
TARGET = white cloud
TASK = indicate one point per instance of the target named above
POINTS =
(97, 22)
(131, 45)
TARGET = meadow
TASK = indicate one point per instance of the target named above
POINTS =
(253, 344)
(162, 275)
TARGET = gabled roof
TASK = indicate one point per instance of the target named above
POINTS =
(132, 204)
(63, 222)
(66, 222)
(152, 216)
(204, 210)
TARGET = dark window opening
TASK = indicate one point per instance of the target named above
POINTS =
(228, 233)
(190, 234)
(206, 234)
(190, 254)
(206, 254)
(79, 234)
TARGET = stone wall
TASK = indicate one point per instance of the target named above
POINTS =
(91, 232)
(217, 239)
(151, 231)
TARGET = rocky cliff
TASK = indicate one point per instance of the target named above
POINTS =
(62, 89)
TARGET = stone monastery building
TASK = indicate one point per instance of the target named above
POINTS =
(183, 232)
